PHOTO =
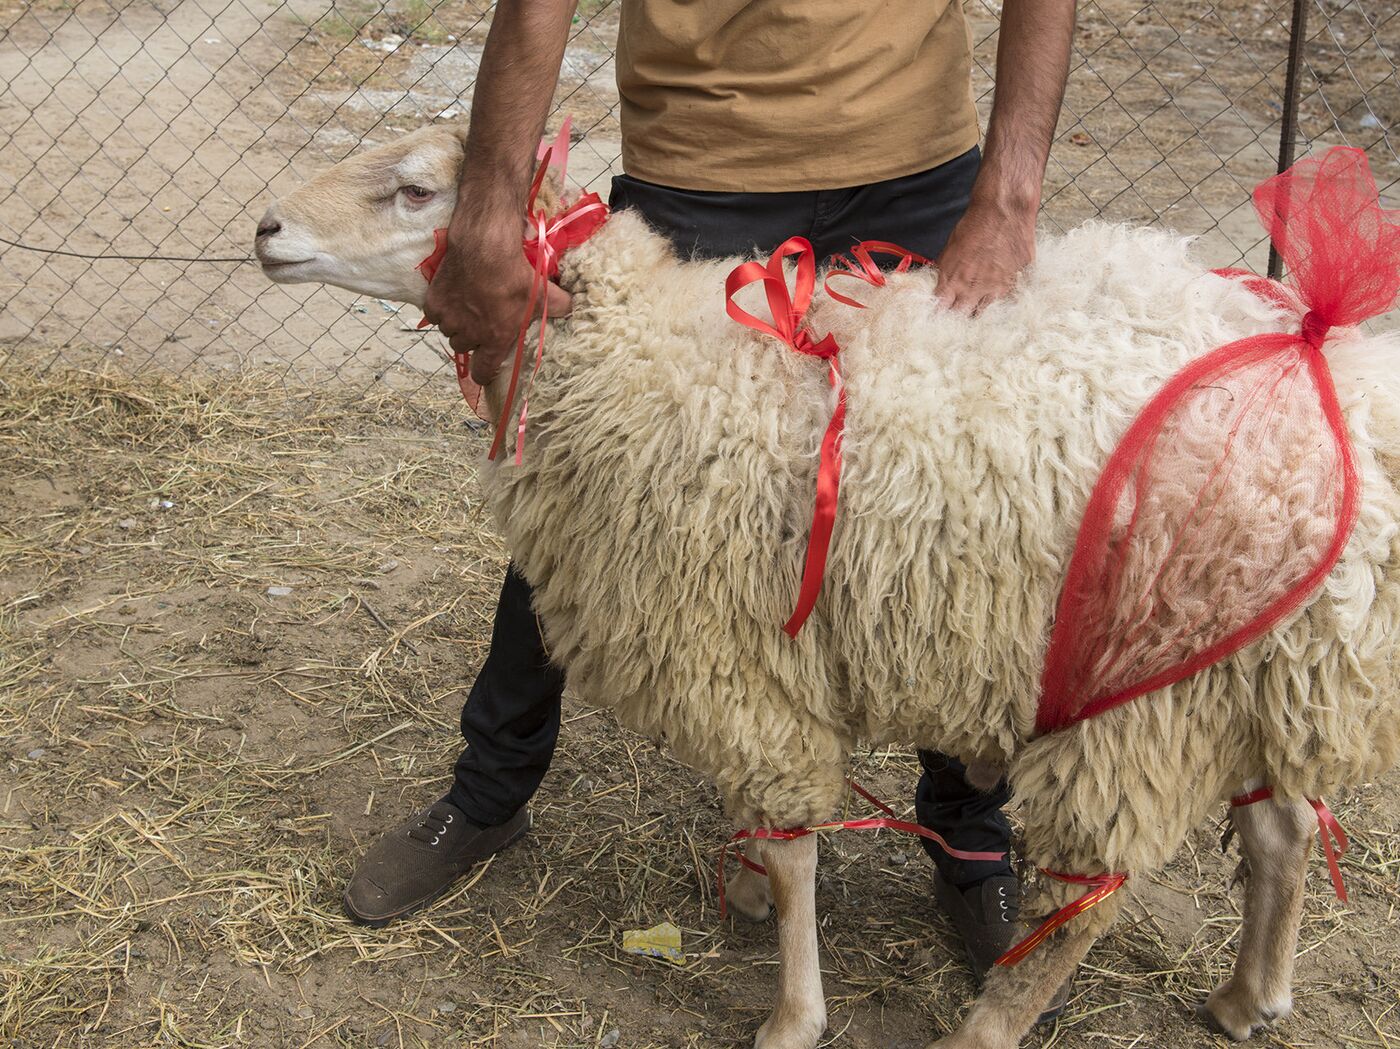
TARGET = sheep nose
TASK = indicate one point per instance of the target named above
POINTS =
(268, 226)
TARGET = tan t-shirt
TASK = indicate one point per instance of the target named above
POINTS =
(770, 95)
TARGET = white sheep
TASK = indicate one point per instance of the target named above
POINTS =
(661, 514)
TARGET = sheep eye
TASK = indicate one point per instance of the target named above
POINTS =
(417, 194)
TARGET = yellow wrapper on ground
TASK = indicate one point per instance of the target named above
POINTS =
(660, 941)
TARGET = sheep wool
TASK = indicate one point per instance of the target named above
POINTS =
(661, 514)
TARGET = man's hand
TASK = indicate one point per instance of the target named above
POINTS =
(479, 295)
(989, 248)
(996, 238)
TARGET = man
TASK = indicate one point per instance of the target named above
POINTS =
(744, 122)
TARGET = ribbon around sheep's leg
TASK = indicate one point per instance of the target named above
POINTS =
(886, 822)
(1101, 887)
(1334, 839)
(788, 309)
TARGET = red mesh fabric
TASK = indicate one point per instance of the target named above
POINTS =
(1234, 492)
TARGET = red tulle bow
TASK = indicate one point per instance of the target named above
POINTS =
(1185, 504)
(788, 310)
(861, 266)
(1101, 887)
(1334, 839)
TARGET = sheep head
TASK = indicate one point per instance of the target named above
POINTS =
(367, 223)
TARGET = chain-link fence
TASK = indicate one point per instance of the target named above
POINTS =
(140, 140)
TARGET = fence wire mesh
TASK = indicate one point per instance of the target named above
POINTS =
(139, 128)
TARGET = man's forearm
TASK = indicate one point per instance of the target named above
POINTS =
(1032, 66)
(514, 91)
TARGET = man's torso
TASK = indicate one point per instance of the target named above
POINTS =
(771, 95)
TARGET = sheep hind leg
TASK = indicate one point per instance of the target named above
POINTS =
(1276, 837)
(1013, 997)
(799, 1017)
(748, 892)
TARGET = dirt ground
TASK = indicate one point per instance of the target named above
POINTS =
(191, 760)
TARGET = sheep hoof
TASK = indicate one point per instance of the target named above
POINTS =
(1237, 1013)
(749, 896)
(782, 1030)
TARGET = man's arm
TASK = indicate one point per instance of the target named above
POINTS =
(480, 290)
(996, 238)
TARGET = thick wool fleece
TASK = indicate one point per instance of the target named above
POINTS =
(664, 502)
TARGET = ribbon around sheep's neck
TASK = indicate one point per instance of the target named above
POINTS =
(860, 265)
(546, 240)
(1334, 839)
(788, 308)
(461, 361)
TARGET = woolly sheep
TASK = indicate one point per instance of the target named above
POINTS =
(662, 508)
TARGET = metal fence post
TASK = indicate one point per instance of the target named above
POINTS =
(1288, 134)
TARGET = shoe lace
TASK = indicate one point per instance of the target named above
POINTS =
(433, 826)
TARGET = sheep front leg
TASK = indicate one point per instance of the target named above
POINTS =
(1276, 838)
(748, 892)
(799, 1017)
(1013, 997)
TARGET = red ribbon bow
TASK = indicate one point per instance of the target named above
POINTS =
(549, 237)
(860, 265)
(788, 310)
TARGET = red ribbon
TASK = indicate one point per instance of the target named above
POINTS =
(1266, 288)
(550, 236)
(1329, 829)
(1101, 887)
(788, 309)
(860, 265)
(461, 362)
(1334, 839)
(429, 266)
(875, 823)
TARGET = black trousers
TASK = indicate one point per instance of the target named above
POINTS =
(511, 717)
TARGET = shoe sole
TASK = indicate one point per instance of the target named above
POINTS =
(417, 905)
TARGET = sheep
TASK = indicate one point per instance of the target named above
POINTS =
(661, 512)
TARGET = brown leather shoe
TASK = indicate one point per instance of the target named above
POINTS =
(987, 917)
(418, 861)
